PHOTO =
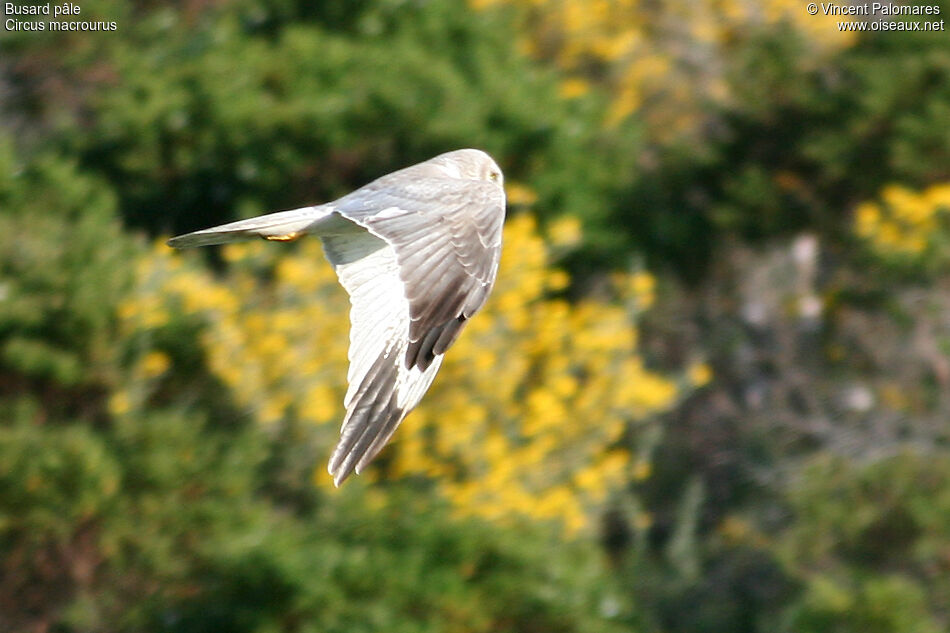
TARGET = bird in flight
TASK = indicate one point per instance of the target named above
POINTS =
(417, 251)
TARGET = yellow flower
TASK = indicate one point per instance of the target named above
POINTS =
(319, 403)
(734, 529)
(155, 364)
(867, 219)
(565, 231)
(896, 196)
(520, 194)
(907, 225)
(939, 196)
(120, 403)
(573, 88)
(643, 285)
(642, 469)
(616, 45)
(324, 480)
(128, 310)
(237, 251)
(699, 374)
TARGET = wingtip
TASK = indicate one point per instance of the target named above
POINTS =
(339, 478)
(338, 473)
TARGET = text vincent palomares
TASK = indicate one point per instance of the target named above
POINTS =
(877, 8)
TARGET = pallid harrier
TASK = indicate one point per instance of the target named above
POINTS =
(417, 251)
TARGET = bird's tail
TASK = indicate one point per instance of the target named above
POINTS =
(283, 226)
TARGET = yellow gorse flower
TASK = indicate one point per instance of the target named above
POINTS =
(904, 224)
(644, 53)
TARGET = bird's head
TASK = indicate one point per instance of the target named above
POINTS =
(470, 164)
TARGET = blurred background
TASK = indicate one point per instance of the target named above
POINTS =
(710, 392)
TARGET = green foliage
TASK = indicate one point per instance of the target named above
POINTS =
(838, 131)
(54, 478)
(870, 541)
(62, 273)
(160, 523)
(58, 484)
(877, 605)
(797, 147)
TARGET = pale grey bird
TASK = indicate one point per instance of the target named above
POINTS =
(417, 251)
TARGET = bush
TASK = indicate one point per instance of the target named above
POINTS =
(867, 539)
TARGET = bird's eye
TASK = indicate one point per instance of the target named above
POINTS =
(493, 176)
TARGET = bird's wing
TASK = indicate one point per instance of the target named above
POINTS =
(382, 390)
(446, 235)
(282, 226)
(425, 264)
